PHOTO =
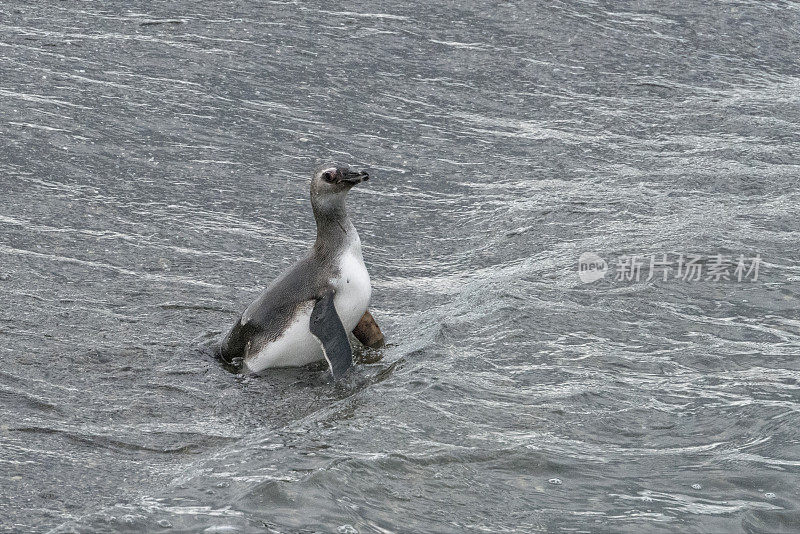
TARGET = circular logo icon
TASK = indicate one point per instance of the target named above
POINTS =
(591, 267)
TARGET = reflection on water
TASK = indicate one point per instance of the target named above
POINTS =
(155, 161)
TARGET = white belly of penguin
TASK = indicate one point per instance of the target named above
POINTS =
(297, 345)
(353, 288)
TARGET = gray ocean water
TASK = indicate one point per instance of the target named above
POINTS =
(154, 168)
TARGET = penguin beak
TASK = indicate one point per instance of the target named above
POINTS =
(355, 177)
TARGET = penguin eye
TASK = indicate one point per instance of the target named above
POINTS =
(328, 177)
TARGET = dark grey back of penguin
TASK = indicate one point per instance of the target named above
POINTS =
(268, 316)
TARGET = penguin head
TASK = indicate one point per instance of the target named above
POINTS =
(330, 185)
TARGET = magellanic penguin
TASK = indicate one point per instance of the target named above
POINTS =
(304, 315)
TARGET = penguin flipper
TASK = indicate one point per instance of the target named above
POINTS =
(326, 325)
